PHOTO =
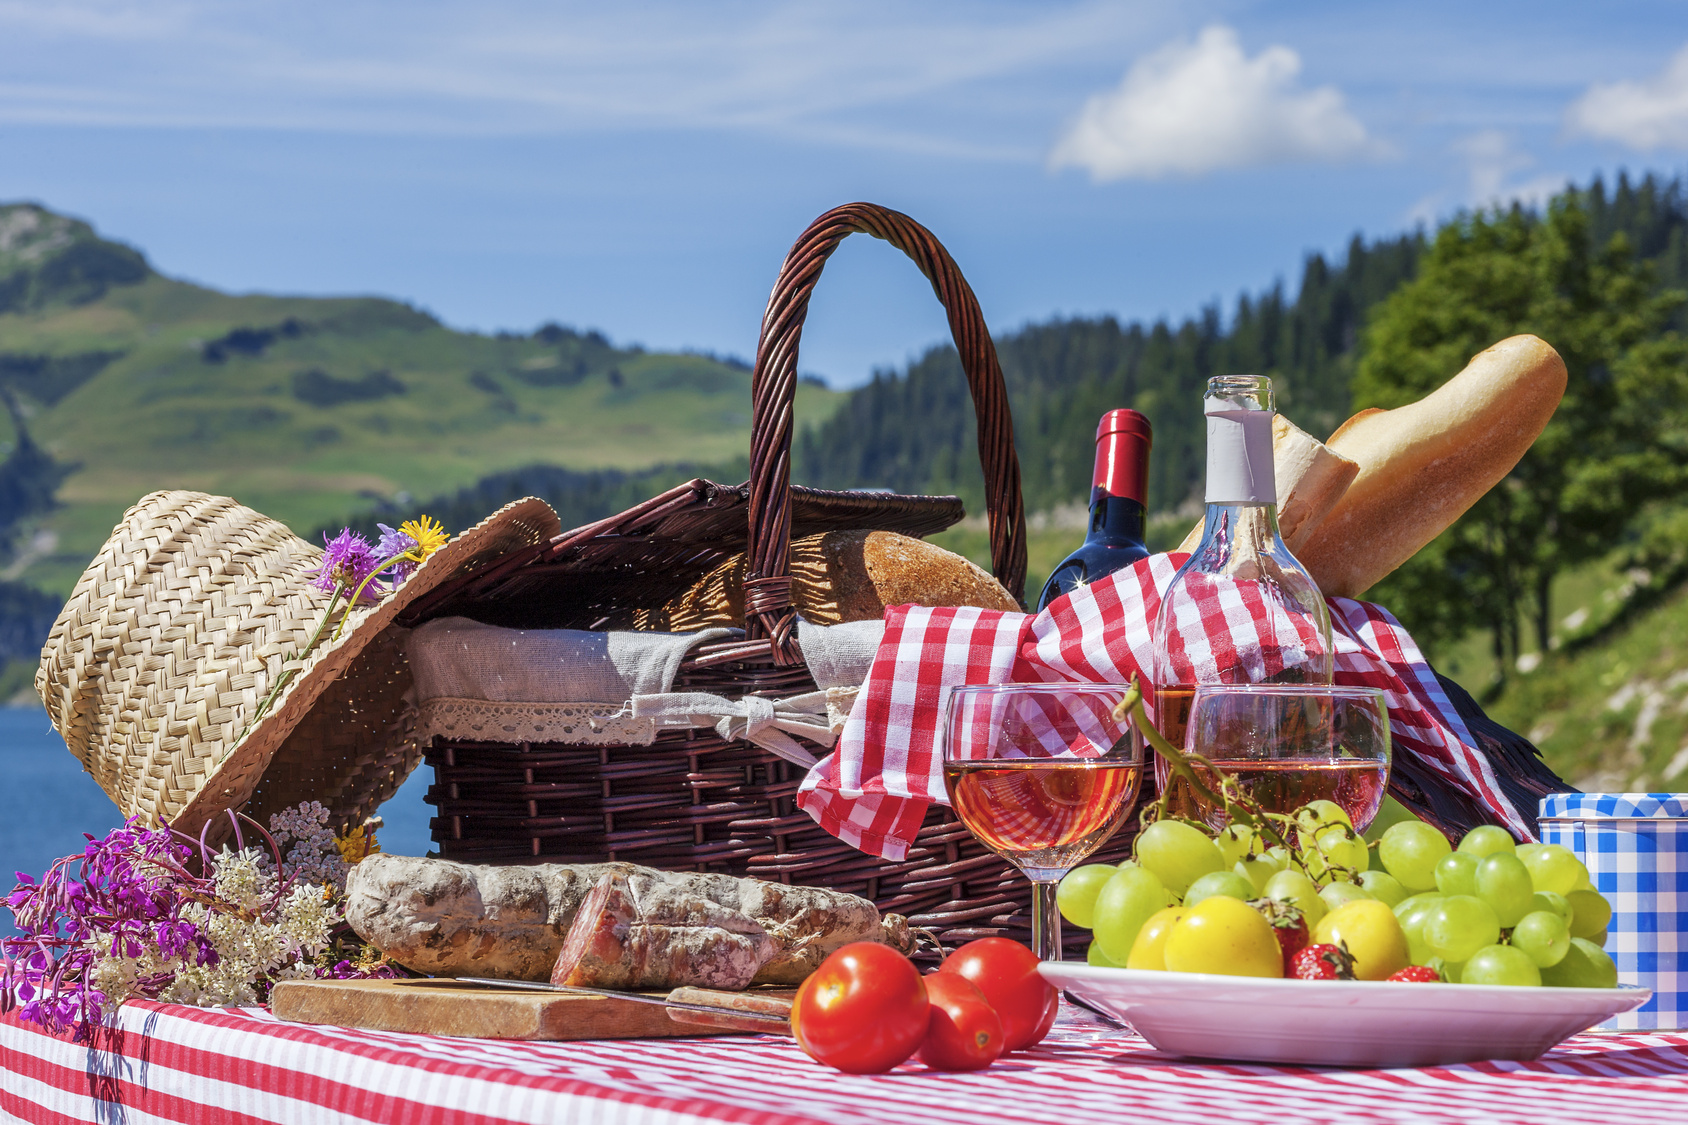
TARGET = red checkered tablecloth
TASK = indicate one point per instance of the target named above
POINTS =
(874, 790)
(165, 1063)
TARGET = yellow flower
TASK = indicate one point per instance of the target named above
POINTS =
(429, 534)
(357, 845)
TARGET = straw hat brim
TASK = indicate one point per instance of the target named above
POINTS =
(179, 628)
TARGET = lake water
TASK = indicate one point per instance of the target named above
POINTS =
(47, 802)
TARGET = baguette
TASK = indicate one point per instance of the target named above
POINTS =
(1309, 478)
(1422, 466)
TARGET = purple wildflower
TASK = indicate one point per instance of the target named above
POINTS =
(392, 544)
(347, 561)
(347, 970)
(129, 894)
(132, 895)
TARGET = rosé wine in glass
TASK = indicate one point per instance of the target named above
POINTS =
(1043, 775)
(1287, 745)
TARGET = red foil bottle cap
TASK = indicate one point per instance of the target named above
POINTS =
(1124, 421)
(1123, 439)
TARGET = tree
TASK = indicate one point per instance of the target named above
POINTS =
(29, 477)
(1616, 442)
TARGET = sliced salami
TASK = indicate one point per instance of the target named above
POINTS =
(653, 931)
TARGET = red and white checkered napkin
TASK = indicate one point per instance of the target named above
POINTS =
(874, 790)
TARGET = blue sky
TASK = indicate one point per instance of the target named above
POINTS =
(642, 167)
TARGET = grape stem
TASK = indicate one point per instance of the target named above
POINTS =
(1239, 809)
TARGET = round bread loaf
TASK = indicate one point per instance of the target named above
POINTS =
(1423, 465)
(840, 576)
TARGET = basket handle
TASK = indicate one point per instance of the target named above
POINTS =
(768, 608)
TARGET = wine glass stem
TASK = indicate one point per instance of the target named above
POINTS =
(1046, 922)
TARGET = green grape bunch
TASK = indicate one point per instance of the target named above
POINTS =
(1491, 911)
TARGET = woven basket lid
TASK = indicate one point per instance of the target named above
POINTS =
(176, 632)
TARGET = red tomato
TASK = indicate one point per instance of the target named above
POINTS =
(965, 1033)
(1006, 972)
(863, 1011)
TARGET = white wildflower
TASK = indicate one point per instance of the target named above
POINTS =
(310, 852)
(240, 881)
(307, 916)
(115, 977)
(225, 983)
(257, 944)
(263, 941)
(260, 924)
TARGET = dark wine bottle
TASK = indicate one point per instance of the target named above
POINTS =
(1117, 491)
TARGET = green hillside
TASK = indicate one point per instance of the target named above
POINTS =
(309, 409)
(1609, 708)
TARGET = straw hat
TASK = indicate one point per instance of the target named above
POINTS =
(176, 633)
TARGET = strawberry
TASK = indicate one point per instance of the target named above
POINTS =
(1323, 962)
(1290, 926)
(1417, 974)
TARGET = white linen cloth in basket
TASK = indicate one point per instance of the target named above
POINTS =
(488, 683)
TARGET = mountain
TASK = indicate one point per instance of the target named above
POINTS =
(119, 380)
(48, 259)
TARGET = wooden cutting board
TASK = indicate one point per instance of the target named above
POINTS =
(449, 1007)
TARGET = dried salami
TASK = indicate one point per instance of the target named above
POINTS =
(456, 919)
(644, 931)
(453, 919)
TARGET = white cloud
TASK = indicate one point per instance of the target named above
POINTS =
(120, 20)
(1492, 163)
(1192, 108)
(1492, 170)
(835, 72)
(1643, 115)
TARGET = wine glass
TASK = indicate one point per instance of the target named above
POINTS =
(1287, 745)
(1042, 774)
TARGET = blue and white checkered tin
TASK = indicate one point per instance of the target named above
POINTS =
(1635, 846)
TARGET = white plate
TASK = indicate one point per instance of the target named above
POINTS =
(1339, 1023)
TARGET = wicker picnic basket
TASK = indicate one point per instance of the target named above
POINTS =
(691, 799)
(697, 801)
